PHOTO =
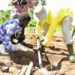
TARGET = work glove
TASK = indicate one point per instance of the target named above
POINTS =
(39, 44)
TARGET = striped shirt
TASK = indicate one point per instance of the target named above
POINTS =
(7, 29)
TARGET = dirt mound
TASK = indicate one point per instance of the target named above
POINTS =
(55, 58)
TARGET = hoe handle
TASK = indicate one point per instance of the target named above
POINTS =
(39, 54)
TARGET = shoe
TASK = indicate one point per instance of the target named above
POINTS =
(42, 48)
(72, 58)
(4, 53)
(2, 50)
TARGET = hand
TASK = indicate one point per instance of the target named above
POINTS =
(37, 37)
(14, 41)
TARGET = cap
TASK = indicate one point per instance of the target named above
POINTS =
(40, 13)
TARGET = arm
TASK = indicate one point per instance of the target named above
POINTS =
(21, 37)
(38, 28)
(52, 26)
(50, 33)
(54, 23)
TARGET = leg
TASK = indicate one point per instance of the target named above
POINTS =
(68, 37)
(2, 48)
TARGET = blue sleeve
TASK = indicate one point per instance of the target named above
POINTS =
(6, 39)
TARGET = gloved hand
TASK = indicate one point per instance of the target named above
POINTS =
(38, 44)
(41, 48)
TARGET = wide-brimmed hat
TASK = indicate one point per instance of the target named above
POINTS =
(40, 13)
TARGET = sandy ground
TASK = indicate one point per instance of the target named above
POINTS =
(55, 58)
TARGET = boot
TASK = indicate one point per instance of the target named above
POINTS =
(73, 32)
(42, 48)
(71, 53)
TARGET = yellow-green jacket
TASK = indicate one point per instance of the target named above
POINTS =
(53, 22)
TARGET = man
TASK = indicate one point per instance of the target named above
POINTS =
(47, 23)
(10, 28)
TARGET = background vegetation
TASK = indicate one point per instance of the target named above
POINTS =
(5, 15)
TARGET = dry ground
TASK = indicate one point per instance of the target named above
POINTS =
(55, 58)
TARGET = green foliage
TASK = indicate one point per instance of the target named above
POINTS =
(30, 30)
(43, 2)
(36, 2)
(32, 23)
(4, 15)
(31, 12)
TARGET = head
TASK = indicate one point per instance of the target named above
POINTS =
(22, 2)
(30, 3)
(39, 13)
(26, 2)
(24, 19)
(14, 2)
(23, 5)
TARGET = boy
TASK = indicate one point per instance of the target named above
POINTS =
(10, 28)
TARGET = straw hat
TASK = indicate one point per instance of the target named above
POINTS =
(40, 13)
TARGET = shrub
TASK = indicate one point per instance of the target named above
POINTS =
(4, 15)
(32, 23)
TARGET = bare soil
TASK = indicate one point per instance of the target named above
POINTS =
(55, 58)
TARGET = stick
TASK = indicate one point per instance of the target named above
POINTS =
(28, 71)
(23, 70)
(18, 72)
(39, 54)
